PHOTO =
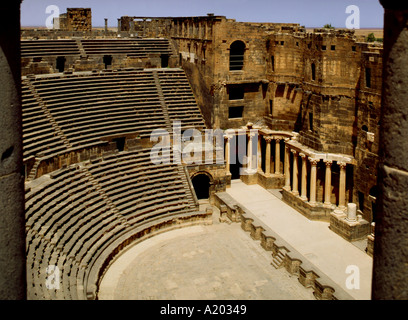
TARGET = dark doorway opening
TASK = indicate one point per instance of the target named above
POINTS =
(235, 112)
(201, 184)
(61, 64)
(120, 143)
(107, 60)
(236, 156)
(164, 60)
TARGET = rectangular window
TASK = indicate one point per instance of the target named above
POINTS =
(333, 48)
(368, 77)
(310, 121)
(273, 63)
(235, 112)
(280, 90)
(236, 92)
(323, 47)
(270, 107)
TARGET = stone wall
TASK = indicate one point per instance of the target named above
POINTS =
(77, 19)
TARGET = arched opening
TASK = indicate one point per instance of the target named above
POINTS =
(201, 184)
(237, 49)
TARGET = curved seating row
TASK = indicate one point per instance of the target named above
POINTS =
(131, 47)
(180, 100)
(64, 47)
(42, 48)
(74, 214)
(84, 107)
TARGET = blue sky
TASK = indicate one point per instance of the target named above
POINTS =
(310, 13)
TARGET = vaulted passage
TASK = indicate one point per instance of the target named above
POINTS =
(201, 184)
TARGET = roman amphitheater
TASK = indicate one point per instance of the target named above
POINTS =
(277, 201)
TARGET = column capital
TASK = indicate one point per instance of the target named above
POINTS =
(228, 137)
(314, 161)
(293, 151)
(268, 138)
(328, 162)
(342, 164)
(278, 139)
(302, 155)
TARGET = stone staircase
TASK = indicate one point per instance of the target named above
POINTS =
(277, 259)
(162, 102)
(188, 187)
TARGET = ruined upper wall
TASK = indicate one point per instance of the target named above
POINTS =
(76, 19)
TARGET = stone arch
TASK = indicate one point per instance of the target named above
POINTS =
(203, 184)
(237, 50)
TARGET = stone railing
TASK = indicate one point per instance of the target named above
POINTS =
(283, 254)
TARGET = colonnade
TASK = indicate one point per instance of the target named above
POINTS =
(254, 159)
(311, 176)
(295, 168)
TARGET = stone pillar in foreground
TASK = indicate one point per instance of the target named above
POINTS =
(390, 271)
(12, 220)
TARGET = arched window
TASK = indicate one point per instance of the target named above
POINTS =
(237, 49)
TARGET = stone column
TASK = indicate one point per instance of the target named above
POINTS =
(313, 175)
(268, 156)
(12, 218)
(119, 25)
(259, 154)
(249, 152)
(287, 169)
(106, 25)
(132, 26)
(227, 154)
(351, 212)
(342, 185)
(304, 177)
(390, 272)
(277, 156)
(295, 190)
(327, 184)
(251, 157)
(144, 27)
